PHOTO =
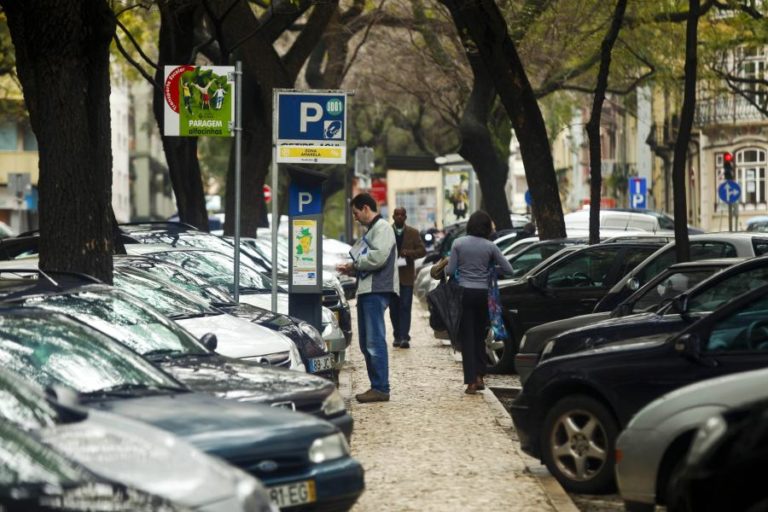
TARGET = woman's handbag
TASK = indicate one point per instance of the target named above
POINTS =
(494, 306)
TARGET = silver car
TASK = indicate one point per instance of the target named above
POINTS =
(659, 436)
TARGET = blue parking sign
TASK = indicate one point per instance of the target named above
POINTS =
(638, 192)
(310, 126)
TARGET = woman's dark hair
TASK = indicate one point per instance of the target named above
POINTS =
(479, 224)
(364, 199)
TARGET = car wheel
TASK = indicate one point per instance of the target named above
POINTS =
(501, 354)
(578, 442)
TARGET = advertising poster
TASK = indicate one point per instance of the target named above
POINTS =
(456, 192)
(304, 252)
(199, 100)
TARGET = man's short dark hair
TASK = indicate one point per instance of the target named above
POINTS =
(364, 199)
(479, 224)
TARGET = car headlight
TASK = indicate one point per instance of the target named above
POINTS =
(548, 348)
(708, 434)
(329, 322)
(313, 334)
(334, 404)
(328, 448)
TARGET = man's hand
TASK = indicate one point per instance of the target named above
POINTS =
(345, 268)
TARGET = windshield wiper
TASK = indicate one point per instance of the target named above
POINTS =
(132, 390)
(186, 316)
(254, 289)
(163, 352)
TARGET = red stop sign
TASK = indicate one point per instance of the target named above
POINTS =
(267, 193)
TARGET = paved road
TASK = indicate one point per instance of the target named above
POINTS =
(433, 448)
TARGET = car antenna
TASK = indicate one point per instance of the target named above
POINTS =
(49, 278)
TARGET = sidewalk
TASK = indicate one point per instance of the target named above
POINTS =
(432, 447)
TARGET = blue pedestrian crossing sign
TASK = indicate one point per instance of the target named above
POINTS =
(310, 126)
(638, 192)
(729, 191)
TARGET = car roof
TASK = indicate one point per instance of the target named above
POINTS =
(713, 262)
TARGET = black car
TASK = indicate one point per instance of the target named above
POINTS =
(166, 344)
(569, 286)
(572, 408)
(702, 247)
(35, 477)
(725, 468)
(662, 288)
(301, 459)
(530, 256)
(668, 318)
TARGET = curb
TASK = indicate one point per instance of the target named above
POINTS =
(556, 495)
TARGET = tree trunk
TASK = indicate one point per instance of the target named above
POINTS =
(593, 125)
(679, 166)
(176, 44)
(62, 59)
(483, 22)
(478, 149)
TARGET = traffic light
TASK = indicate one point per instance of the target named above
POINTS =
(728, 166)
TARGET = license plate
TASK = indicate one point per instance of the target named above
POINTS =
(291, 495)
(320, 364)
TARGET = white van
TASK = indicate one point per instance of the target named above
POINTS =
(614, 220)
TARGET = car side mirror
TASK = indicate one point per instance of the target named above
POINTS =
(64, 395)
(210, 341)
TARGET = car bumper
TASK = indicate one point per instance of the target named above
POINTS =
(521, 417)
(637, 467)
(525, 362)
(338, 483)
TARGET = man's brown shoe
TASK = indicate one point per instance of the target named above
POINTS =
(471, 389)
(372, 395)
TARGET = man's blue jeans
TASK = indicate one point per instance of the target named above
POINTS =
(400, 313)
(373, 338)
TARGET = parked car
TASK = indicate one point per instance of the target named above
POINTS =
(35, 477)
(758, 223)
(572, 408)
(614, 220)
(302, 460)
(664, 287)
(255, 289)
(567, 286)
(656, 442)
(308, 340)
(130, 321)
(705, 246)
(669, 318)
(725, 469)
(128, 451)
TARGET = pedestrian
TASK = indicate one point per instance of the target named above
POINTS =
(409, 248)
(471, 259)
(374, 259)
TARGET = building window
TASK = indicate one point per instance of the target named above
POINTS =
(750, 174)
(9, 136)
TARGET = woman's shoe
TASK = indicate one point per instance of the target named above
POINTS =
(471, 389)
(479, 384)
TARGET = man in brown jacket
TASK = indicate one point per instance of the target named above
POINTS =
(409, 248)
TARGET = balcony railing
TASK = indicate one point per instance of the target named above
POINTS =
(725, 110)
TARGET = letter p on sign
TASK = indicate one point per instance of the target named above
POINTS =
(305, 198)
(309, 113)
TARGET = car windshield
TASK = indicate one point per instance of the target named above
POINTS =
(531, 256)
(124, 318)
(217, 268)
(190, 239)
(168, 300)
(723, 290)
(184, 279)
(24, 460)
(667, 288)
(24, 405)
(49, 348)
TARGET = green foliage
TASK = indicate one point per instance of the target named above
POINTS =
(334, 215)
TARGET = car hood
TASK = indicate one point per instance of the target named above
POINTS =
(636, 343)
(723, 392)
(261, 316)
(536, 336)
(227, 428)
(237, 337)
(628, 327)
(145, 457)
(239, 380)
